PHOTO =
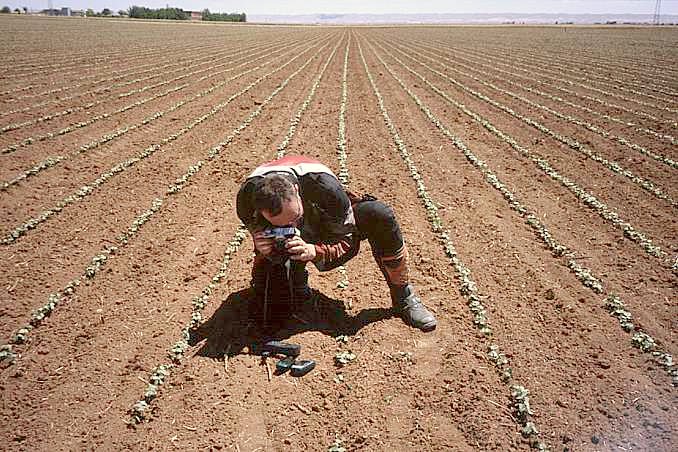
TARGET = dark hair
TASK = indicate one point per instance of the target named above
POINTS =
(271, 191)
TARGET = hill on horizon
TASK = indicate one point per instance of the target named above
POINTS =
(498, 18)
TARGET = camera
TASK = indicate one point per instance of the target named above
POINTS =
(280, 236)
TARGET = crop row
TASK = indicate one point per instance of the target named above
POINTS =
(648, 72)
(621, 85)
(550, 84)
(565, 65)
(99, 260)
(86, 57)
(476, 65)
(468, 287)
(613, 303)
(110, 75)
(602, 132)
(122, 166)
(185, 54)
(570, 142)
(557, 76)
(210, 60)
(342, 157)
(108, 54)
(55, 160)
(156, 71)
(587, 198)
(75, 62)
(38, 138)
(161, 372)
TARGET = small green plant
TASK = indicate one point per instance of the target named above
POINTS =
(336, 446)
(343, 358)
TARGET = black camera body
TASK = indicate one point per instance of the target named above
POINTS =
(280, 236)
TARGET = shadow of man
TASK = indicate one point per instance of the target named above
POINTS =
(237, 323)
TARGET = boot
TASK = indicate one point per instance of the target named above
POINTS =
(405, 302)
(300, 288)
(411, 309)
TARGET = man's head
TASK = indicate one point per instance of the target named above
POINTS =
(277, 199)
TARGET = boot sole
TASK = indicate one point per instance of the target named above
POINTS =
(428, 327)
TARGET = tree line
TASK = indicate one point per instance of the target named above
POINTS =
(141, 12)
(223, 17)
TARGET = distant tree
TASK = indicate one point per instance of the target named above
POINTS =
(141, 12)
(6, 10)
(106, 12)
(17, 11)
(90, 12)
(223, 17)
(25, 8)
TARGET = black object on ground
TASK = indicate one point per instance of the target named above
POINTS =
(282, 348)
(284, 365)
(302, 367)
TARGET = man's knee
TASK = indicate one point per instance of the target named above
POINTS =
(376, 221)
(373, 215)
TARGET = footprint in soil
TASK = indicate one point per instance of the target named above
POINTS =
(238, 323)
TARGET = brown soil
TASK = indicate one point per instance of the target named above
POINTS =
(82, 369)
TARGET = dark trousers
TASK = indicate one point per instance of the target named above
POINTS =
(377, 223)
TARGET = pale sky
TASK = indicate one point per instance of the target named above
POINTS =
(373, 6)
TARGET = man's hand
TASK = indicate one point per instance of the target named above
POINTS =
(262, 244)
(300, 250)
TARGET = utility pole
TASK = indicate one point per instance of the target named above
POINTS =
(657, 9)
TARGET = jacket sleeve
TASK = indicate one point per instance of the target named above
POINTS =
(334, 215)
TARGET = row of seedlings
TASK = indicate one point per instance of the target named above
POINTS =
(62, 70)
(54, 160)
(654, 72)
(48, 117)
(161, 372)
(134, 71)
(21, 336)
(75, 59)
(587, 198)
(468, 287)
(156, 71)
(602, 132)
(112, 74)
(34, 139)
(343, 175)
(558, 76)
(86, 190)
(476, 65)
(138, 411)
(570, 142)
(550, 84)
(606, 80)
(613, 303)
(636, 67)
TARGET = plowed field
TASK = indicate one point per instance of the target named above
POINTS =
(533, 170)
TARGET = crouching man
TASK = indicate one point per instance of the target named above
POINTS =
(298, 212)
